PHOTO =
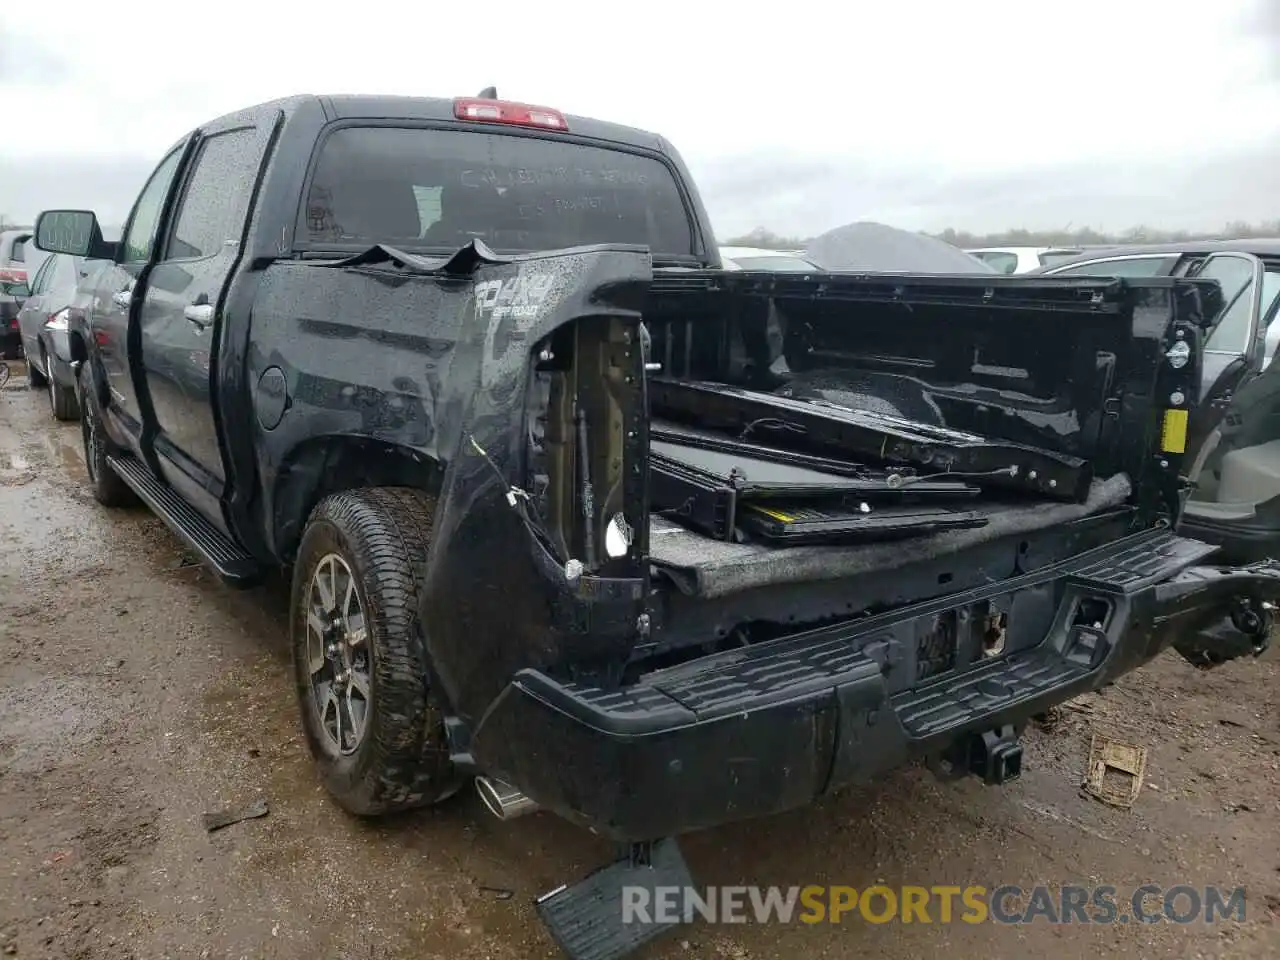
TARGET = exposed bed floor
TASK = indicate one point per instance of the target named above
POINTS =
(712, 568)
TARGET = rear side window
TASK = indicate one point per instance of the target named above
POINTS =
(438, 189)
(1128, 267)
(1003, 262)
(216, 200)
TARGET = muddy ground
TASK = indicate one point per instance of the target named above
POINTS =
(136, 693)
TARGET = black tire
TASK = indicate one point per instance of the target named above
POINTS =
(35, 379)
(108, 489)
(62, 400)
(402, 760)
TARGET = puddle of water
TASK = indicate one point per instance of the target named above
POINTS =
(15, 470)
(45, 717)
(63, 446)
(41, 525)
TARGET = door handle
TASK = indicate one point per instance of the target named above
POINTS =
(201, 314)
(123, 298)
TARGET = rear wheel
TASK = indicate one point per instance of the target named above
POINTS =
(360, 655)
(108, 489)
(62, 400)
(35, 379)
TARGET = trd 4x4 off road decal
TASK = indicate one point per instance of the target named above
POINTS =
(516, 298)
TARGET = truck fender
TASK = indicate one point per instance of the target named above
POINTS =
(323, 465)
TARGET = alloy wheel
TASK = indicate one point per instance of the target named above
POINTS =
(338, 660)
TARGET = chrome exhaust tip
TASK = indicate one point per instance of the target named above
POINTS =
(503, 800)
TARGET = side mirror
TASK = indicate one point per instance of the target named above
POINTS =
(73, 232)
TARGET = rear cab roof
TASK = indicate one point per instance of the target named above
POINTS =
(440, 109)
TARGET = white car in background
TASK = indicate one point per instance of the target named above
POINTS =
(1024, 259)
(757, 258)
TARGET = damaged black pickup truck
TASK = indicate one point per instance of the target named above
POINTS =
(574, 513)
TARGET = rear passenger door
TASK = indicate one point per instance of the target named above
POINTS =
(181, 312)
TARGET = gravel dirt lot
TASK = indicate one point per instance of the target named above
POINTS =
(137, 693)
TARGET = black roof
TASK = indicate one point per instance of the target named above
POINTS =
(372, 106)
(1258, 246)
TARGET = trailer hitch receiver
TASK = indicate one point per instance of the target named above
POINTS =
(994, 756)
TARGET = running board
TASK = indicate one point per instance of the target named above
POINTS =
(214, 547)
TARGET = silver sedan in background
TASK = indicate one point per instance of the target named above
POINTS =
(55, 295)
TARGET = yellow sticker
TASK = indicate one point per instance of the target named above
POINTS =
(1173, 439)
(777, 515)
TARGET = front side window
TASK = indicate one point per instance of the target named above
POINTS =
(1270, 294)
(44, 276)
(140, 241)
(1235, 277)
(1270, 306)
(216, 201)
(439, 189)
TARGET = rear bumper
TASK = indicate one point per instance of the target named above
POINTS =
(774, 726)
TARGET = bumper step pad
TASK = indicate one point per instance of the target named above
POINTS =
(588, 919)
(1147, 559)
(945, 706)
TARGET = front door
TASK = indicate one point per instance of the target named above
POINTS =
(1233, 349)
(32, 316)
(1236, 500)
(180, 314)
(111, 303)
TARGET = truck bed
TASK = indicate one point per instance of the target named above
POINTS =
(704, 567)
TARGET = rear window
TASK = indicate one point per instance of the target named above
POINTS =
(1049, 257)
(779, 264)
(1002, 261)
(438, 189)
(19, 252)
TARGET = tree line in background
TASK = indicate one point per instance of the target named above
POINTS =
(1083, 236)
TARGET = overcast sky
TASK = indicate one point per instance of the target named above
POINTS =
(981, 114)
